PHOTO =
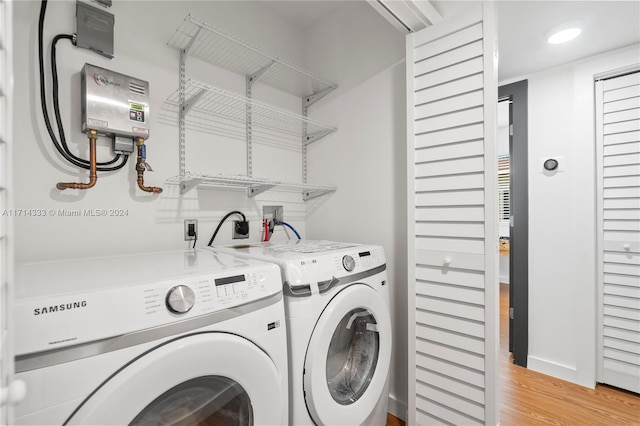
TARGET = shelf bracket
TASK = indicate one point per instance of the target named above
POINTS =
(254, 190)
(309, 195)
(314, 137)
(188, 104)
(189, 45)
(188, 184)
(256, 75)
(315, 97)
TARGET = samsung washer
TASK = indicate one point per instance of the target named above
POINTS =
(171, 338)
(337, 309)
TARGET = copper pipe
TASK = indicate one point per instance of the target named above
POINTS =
(140, 169)
(93, 174)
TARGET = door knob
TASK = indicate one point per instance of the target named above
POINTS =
(447, 261)
(14, 393)
(627, 247)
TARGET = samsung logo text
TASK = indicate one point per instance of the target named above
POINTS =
(59, 308)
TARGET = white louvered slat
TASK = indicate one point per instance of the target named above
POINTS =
(623, 159)
(458, 214)
(622, 345)
(450, 167)
(449, 367)
(462, 85)
(447, 183)
(451, 292)
(622, 105)
(451, 266)
(449, 151)
(458, 134)
(455, 103)
(621, 312)
(625, 81)
(623, 93)
(622, 328)
(450, 276)
(629, 146)
(620, 116)
(621, 138)
(452, 401)
(466, 391)
(625, 280)
(473, 312)
(624, 126)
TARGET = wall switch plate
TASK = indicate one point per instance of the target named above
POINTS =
(236, 235)
(190, 229)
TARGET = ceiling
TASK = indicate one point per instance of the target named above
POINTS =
(522, 25)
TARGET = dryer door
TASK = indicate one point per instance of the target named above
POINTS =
(347, 360)
(207, 378)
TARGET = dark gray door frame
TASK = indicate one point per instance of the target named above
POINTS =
(519, 232)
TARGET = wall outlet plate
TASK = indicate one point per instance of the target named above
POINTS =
(235, 234)
(187, 222)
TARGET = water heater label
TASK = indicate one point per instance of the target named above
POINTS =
(92, 122)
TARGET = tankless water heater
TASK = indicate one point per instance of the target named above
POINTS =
(114, 104)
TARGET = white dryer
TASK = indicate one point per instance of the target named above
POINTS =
(337, 308)
(171, 338)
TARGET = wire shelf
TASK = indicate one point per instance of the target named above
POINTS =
(212, 109)
(213, 45)
(253, 186)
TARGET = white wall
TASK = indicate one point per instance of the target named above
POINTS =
(366, 158)
(562, 283)
(152, 222)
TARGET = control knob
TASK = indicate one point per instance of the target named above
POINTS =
(180, 299)
(348, 263)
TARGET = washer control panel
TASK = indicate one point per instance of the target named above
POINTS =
(72, 318)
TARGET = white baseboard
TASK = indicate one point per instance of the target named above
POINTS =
(397, 408)
(549, 368)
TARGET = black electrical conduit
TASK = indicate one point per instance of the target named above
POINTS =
(61, 146)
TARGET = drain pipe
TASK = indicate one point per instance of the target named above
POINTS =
(141, 166)
(93, 174)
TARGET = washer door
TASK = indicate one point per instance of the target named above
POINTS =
(347, 360)
(208, 378)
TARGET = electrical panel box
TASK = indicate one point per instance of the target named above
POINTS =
(114, 104)
(94, 29)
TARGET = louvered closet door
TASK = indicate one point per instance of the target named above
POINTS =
(618, 127)
(6, 253)
(452, 247)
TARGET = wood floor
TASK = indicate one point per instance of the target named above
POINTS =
(528, 398)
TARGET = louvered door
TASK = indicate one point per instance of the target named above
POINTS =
(618, 134)
(6, 258)
(452, 221)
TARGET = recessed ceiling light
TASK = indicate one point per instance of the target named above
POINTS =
(563, 35)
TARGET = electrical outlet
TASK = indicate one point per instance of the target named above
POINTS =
(190, 229)
(240, 230)
(273, 213)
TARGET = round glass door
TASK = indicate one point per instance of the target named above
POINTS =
(352, 356)
(347, 360)
(202, 379)
(211, 400)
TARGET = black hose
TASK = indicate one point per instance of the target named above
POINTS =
(62, 147)
(244, 219)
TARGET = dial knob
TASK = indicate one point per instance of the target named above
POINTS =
(348, 263)
(180, 299)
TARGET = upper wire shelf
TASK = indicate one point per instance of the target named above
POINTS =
(253, 186)
(212, 104)
(213, 45)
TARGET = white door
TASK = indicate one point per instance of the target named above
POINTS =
(618, 144)
(10, 392)
(452, 220)
(206, 378)
(347, 360)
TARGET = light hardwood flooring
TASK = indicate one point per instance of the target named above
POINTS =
(528, 398)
